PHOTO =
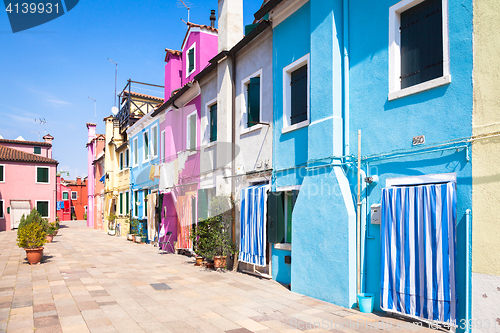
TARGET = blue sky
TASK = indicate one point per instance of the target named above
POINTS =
(50, 71)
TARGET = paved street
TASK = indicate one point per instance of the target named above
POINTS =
(92, 282)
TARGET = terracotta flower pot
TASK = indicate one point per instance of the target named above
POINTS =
(49, 238)
(199, 261)
(220, 261)
(209, 265)
(34, 256)
(55, 232)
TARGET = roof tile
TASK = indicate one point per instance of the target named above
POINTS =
(14, 155)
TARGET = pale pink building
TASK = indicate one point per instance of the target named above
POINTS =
(27, 180)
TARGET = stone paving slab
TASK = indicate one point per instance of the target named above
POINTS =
(91, 282)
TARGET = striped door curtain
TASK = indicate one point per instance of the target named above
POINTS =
(253, 225)
(418, 240)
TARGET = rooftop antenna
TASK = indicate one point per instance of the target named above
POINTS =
(95, 109)
(36, 133)
(186, 8)
(116, 73)
(42, 121)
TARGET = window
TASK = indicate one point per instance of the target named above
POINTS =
(145, 146)
(154, 135)
(121, 161)
(145, 193)
(37, 150)
(65, 195)
(296, 95)
(127, 202)
(121, 203)
(213, 122)
(162, 146)
(127, 158)
(1, 210)
(42, 175)
(136, 201)
(43, 208)
(136, 149)
(191, 131)
(418, 46)
(251, 108)
(2, 173)
(279, 214)
(190, 61)
(74, 195)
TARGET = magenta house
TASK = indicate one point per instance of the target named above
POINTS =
(27, 180)
(180, 131)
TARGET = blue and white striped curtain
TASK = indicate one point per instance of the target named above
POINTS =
(419, 251)
(253, 225)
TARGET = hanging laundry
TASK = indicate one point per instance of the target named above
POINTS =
(184, 214)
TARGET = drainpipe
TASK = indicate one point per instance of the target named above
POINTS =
(468, 276)
(346, 74)
(233, 145)
(358, 217)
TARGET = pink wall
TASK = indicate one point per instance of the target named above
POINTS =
(29, 148)
(20, 184)
(206, 48)
(91, 175)
(172, 74)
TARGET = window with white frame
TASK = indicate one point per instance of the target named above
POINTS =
(121, 161)
(296, 85)
(145, 150)
(191, 131)
(191, 60)
(162, 146)
(154, 140)
(126, 158)
(418, 46)
(42, 175)
(43, 208)
(2, 173)
(136, 203)
(127, 202)
(136, 151)
(74, 195)
(211, 113)
(252, 104)
(65, 196)
(120, 199)
(1, 210)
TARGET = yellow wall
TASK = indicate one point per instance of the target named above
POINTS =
(486, 152)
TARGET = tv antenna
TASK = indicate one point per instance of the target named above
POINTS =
(42, 121)
(186, 7)
(95, 109)
(116, 73)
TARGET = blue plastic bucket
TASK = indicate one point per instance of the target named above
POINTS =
(365, 302)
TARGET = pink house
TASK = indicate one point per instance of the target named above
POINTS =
(27, 180)
(180, 131)
(63, 200)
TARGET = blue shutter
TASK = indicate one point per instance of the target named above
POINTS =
(298, 95)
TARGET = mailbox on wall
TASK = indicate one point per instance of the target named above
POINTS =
(375, 213)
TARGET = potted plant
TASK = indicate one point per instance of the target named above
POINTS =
(134, 223)
(31, 237)
(111, 224)
(221, 208)
(51, 232)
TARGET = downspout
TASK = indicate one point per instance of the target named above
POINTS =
(233, 146)
(468, 276)
(346, 75)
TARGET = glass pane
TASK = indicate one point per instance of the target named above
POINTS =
(65, 195)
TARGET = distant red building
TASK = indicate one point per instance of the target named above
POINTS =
(71, 198)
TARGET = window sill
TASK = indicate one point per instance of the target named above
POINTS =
(251, 129)
(440, 81)
(295, 126)
(283, 246)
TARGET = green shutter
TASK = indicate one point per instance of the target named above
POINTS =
(253, 107)
(145, 203)
(127, 157)
(275, 217)
(192, 132)
(127, 203)
(289, 209)
(1, 173)
(121, 203)
(213, 123)
(42, 175)
(202, 204)
(65, 196)
(121, 161)
(421, 43)
(146, 146)
(191, 59)
(43, 208)
(299, 95)
(136, 208)
(37, 150)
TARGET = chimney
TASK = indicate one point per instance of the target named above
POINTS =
(48, 139)
(78, 181)
(212, 18)
(230, 23)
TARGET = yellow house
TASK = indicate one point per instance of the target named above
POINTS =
(486, 165)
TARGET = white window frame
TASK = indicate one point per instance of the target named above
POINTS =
(66, 193)
(120, 204)
(144, 159)
(136, 151)
(3, 170)
(2, 214)
(126, 162)
(395, 90)
(76, 195)
(193, 46)
(208, 105)
(162, 146)
(121, 161)
(188, 129)
(36, 175)
(125, 197)
(244, 114)
(287, 98)
(422, 180)
(144, 210)
(152, 145)
(135, 204)
(48, 210)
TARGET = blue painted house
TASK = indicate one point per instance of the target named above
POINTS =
(413, 120)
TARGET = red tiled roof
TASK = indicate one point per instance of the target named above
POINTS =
(201, 26)
(14, 155)
(27, 143)
(173, 52)
(132, 93)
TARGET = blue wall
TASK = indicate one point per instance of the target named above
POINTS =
(281, 271)
(441, 114)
